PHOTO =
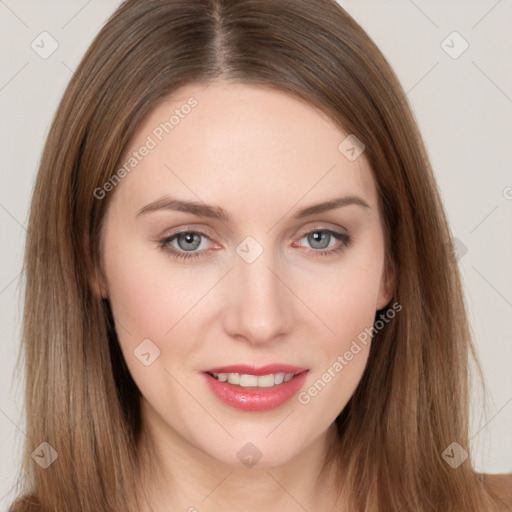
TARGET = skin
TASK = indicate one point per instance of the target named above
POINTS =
(261, 155)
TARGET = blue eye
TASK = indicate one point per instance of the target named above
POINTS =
(320, 240)
(187, 243)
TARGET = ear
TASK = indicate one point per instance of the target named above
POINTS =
(387, 284)
(98, 285)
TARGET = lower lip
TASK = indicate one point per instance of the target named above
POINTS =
(255, 398)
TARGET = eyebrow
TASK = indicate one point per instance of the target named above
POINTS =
(216, 212)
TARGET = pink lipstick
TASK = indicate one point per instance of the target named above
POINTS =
(252, 388)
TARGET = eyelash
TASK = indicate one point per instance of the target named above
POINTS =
(165, 244)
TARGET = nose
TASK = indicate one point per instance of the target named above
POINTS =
(260, 306)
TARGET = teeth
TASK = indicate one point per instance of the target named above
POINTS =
(266, 381)
(279, 378)
(234, 378)
(262, 381)
(248, 380)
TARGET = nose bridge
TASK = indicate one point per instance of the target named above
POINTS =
(260, 307)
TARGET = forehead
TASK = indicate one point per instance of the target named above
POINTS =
(235, 142)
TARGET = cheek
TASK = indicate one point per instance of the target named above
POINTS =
(345, 350)
(346, 305)
(345, 298)
(342, 352)
(151, 302)
(148, 296)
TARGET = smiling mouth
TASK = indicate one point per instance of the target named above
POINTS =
(251, 388)
(245, 380)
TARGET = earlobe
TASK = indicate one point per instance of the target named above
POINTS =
(99, 289)
(103, 293)
(387, 286)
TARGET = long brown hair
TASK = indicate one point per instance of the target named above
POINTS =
(412, 401)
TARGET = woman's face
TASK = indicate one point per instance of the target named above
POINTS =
(214, 257)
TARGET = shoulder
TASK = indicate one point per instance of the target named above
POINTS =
(500, 485)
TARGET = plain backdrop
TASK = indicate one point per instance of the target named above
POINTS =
(459, 86)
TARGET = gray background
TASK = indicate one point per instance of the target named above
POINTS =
(463, 106)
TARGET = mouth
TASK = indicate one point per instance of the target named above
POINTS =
(255, 389)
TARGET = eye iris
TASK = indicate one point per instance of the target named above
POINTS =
(318, 237)
(189, 239)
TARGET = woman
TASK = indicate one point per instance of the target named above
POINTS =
(240, 289)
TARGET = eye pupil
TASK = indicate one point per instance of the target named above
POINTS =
(319, 237)
(189, 239)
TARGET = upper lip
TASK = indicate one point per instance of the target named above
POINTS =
(257, 370)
